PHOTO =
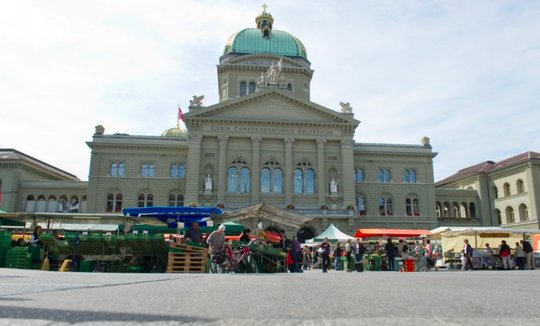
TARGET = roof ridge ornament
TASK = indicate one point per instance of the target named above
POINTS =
(264, 22)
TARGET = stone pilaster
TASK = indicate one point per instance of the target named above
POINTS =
(193, 170)
(289, 170)
(222, 169)
(347, 160)
(321, 171)
(255, 168)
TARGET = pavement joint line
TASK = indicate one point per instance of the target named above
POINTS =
(90, 286)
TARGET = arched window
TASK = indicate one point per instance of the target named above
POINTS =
(361, 205)
(384, 175)
(73, 205)
(144, 171)
(117, 169)
(472, 210)
(463, 210)
(520, 186)
(238, 177)
(438, 210)
(304, 179)
(244, 180)
(359, 175)
(252, 87)
(506, 189)
(148, 169)
(271, 178)
(523, 213)
(416, 207)
(145, 200)
(410, 176)
(243, 88)
(455, 210)
(510, 218)
(446, 209)
(265, 180)
(114, 202)
(176, 199)
(232, 179)
(499, 216)
(298, 181)
(495, 192)
(178, 171)
(408, 207)
(385, 206)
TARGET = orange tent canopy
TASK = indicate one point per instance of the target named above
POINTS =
(396, 233)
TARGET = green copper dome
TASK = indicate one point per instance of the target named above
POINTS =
(251, 40)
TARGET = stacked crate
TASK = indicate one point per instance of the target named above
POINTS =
(5, 244)
(18, 257)
(184, 258)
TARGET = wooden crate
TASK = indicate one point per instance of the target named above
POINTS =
(186, 248)
(185, 262)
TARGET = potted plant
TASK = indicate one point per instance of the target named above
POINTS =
(290, 206)
(350, 208)
(324, 209)
(193, 204)
(220, 206)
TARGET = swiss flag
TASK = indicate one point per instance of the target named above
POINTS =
(180, 114)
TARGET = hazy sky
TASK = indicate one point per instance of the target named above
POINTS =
(464, 73)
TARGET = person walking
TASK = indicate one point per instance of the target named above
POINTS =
(348, 255)
(504, 251)
(529, 254)
(325, 246)
(306, 258)
(427, 254)
(390, 254)
(520, 256)
(468, 253)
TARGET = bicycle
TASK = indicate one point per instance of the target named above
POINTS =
(232, 260)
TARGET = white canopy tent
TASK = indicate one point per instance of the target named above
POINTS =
(333, 234)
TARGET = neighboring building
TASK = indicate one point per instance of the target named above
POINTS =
(504, 193)
(30, 185)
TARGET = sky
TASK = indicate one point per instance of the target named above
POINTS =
(464, 73)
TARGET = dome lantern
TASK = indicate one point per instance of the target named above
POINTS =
(264, 22)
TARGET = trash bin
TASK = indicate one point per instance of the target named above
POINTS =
(374, 262)
(408, 265)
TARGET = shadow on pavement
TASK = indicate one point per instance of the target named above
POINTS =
(74, 316)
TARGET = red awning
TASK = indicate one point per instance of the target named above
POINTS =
(396, 233)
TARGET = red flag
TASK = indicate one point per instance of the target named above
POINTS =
(180, 114)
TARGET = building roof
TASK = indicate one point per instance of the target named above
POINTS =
(251, 40)
(489, 166)
(10, 154)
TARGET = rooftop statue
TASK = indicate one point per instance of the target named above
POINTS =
(345, 107)
(196, 101)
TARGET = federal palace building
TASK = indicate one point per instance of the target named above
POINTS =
(266, 152)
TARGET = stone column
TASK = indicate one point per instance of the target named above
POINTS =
(255, 168)
(193, 170)
(289, 170)
(321, 172)
(347, 181)
(222, 169)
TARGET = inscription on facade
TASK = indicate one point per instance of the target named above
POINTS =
(272, 130)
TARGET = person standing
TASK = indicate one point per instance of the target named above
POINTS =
(520, 256)
(337, 256)
(244, 236)
(390, 254)
(529, 254)
(325, 246)
(348, 255)
(420, 259)
(359, 251)
(468, 253)
(194, 233)
(306, 262)
(504, 251)
(216, 241)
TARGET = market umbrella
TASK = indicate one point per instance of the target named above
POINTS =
(395, 233)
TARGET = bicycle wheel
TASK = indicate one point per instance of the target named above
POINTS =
(226, 266)
(213, 268)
